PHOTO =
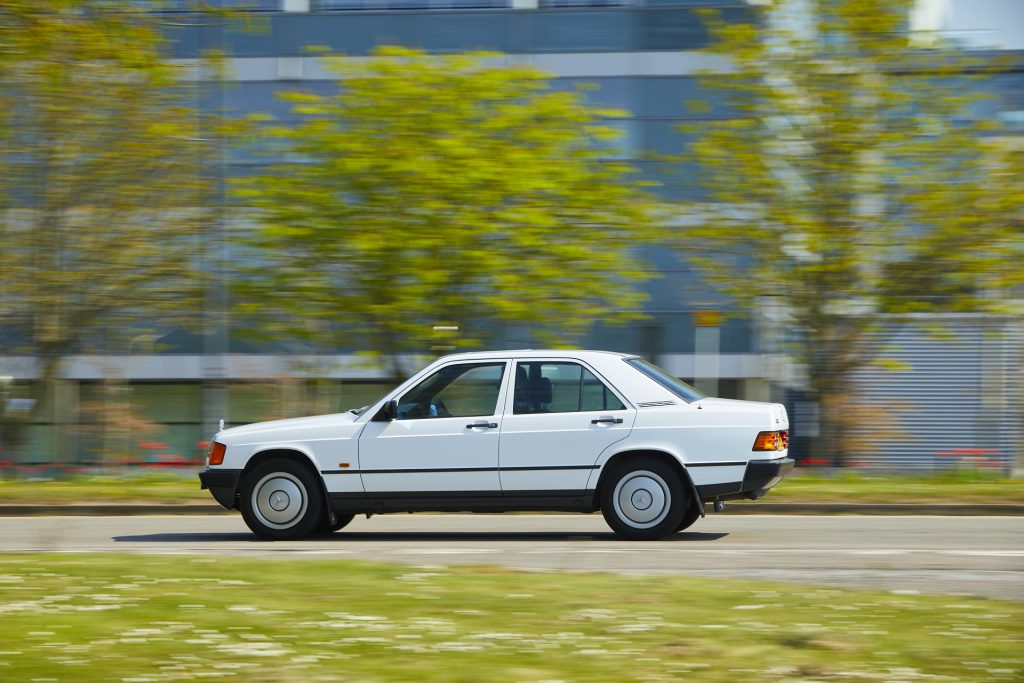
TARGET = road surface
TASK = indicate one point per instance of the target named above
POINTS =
(981, 556)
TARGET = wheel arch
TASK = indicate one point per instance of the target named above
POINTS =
(292, 454)
(283, 452)
(664, 456)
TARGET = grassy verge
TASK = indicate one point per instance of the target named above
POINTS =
(141, 488)
(954, 487)
(142, 618)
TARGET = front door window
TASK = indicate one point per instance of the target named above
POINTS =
(463, 390)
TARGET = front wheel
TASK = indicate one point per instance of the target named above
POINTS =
(281, 501)
(643, 499)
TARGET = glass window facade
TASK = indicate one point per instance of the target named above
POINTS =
(555, 30)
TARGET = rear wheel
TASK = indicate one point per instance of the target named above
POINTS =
(281, 501)
(691, 515)
(643, 499)
(340, 522)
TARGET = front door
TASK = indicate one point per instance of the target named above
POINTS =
(444, 438)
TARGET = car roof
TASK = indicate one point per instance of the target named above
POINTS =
(537, 353)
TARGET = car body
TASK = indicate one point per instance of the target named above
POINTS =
(540, 430)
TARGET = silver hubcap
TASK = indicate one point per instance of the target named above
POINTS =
(279, 500)
(642, 499)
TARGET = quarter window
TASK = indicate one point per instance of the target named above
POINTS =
(465, 390)
(673, 384)
(546, 387)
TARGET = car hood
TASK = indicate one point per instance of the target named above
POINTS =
(293, 425)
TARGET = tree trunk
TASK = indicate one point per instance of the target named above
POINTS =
(828, 377)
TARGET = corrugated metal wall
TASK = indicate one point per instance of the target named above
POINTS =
(942, 391)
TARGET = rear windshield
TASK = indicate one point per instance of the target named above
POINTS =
(673, 384)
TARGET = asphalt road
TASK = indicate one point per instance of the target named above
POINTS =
(981, 556)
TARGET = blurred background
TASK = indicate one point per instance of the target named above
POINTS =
(265, 209)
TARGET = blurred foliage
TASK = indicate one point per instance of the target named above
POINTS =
(441, 192)
(102, 194)
(852, 180)
(115, 422)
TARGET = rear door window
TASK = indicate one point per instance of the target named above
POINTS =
(560, 387)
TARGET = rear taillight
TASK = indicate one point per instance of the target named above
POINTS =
(217, 451)
(771, 441)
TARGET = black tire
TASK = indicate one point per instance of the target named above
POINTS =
(340, 522)
(691, 515)
(281, 501)
(643, 499)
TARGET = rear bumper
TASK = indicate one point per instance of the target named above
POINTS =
(762, 475)
(223, 484)
(758, 478)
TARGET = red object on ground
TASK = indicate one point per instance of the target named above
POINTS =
(964, 452)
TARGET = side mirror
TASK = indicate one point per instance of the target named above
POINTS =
(387, 412)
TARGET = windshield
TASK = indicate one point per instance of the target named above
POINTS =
(673, 384)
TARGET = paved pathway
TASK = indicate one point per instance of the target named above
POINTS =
(971, 555)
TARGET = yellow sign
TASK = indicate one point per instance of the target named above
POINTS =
(707, 318)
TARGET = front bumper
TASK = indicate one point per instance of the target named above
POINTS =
(223, 484)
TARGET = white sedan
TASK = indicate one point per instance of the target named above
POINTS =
(508, 430)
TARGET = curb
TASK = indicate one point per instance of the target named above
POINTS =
(109, 509)
(926, 509)
(923, 509)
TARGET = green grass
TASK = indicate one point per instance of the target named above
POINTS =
(141, 488)
(955, 486)
(170, 618)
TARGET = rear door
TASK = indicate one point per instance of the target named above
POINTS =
(559, 417)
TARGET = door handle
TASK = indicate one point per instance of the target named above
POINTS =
(483, 425)
(607, 420)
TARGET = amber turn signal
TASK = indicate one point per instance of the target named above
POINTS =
(217, 453)
(771, 441)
